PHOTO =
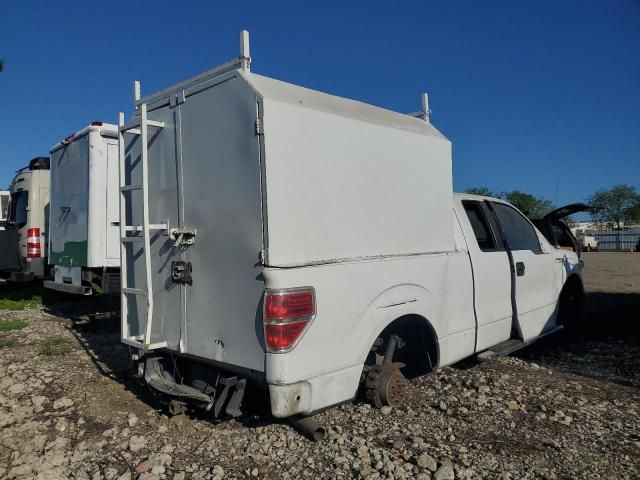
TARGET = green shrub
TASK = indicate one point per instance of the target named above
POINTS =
(56, 346)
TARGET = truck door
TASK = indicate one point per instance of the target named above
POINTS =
(113, 207)
(534, 271)
(221, 201)
(491, 275)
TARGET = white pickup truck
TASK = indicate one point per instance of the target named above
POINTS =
(312, 246)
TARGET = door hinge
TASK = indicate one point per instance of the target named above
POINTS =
(177, 98)
(259, 127)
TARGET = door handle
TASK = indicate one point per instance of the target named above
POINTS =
(520, 269)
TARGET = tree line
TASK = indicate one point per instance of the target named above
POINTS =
(615, 206)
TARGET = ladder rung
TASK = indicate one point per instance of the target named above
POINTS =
(139, 238)
(135, 124)
(133, 343)
(128, 188)
(153, 346)
(134, 291)
(138, 228)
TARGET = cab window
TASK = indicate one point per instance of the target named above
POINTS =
(519, 233)
(480, 226)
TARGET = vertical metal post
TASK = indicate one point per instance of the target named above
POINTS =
(124, 326)
(145, 219)
(425, 107)
(245, 53)
(136, 91)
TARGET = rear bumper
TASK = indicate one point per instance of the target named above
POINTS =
(67, 288)
(314, 394)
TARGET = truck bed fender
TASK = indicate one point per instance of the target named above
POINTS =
(391, 304)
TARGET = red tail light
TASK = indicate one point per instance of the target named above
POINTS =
(33, 243)
(286, 315)
(281, 336)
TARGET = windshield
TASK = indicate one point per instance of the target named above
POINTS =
(19, 204)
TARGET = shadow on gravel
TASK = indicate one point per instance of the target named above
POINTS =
(95, 323)
(604, 345)
(17, 296)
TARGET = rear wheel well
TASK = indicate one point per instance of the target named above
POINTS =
(420, 351)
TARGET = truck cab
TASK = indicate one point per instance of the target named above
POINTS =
(25, 237)
(509, 254)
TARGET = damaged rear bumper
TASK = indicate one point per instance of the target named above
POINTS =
(307, 396)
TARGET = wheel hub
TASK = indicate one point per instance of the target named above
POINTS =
(386, 386)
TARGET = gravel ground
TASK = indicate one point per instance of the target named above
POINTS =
(567, 407)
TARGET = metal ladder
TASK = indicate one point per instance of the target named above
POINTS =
(138, 126)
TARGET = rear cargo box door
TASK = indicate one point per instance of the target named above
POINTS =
(69, 202)
(222, 201)
(164, 206)
(113, 208)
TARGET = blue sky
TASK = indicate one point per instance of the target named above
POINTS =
(528, 92)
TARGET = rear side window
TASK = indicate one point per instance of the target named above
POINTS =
(480, 226)
(519, 232)
(4, 207)
(19, 204)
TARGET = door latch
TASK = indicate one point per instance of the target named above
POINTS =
(181, 273)
(182, 237)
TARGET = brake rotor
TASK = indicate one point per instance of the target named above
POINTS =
(386, 386)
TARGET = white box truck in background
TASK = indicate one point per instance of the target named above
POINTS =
(5, 197)
(312, 246)
(23, 243)
(84, 230)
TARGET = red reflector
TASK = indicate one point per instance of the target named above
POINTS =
(280, 336)
(96, 123)
(33, 243)
(289, 305)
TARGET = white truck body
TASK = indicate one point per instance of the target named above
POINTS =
(23, 241)
(84, 242)
(259, 190)
(588, 242)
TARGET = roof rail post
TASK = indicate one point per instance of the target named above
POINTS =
(426, 111)
(136, 92)
(245, 53)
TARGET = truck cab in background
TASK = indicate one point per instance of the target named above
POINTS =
(23, 242)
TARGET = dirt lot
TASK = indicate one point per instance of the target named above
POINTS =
(567, 407)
